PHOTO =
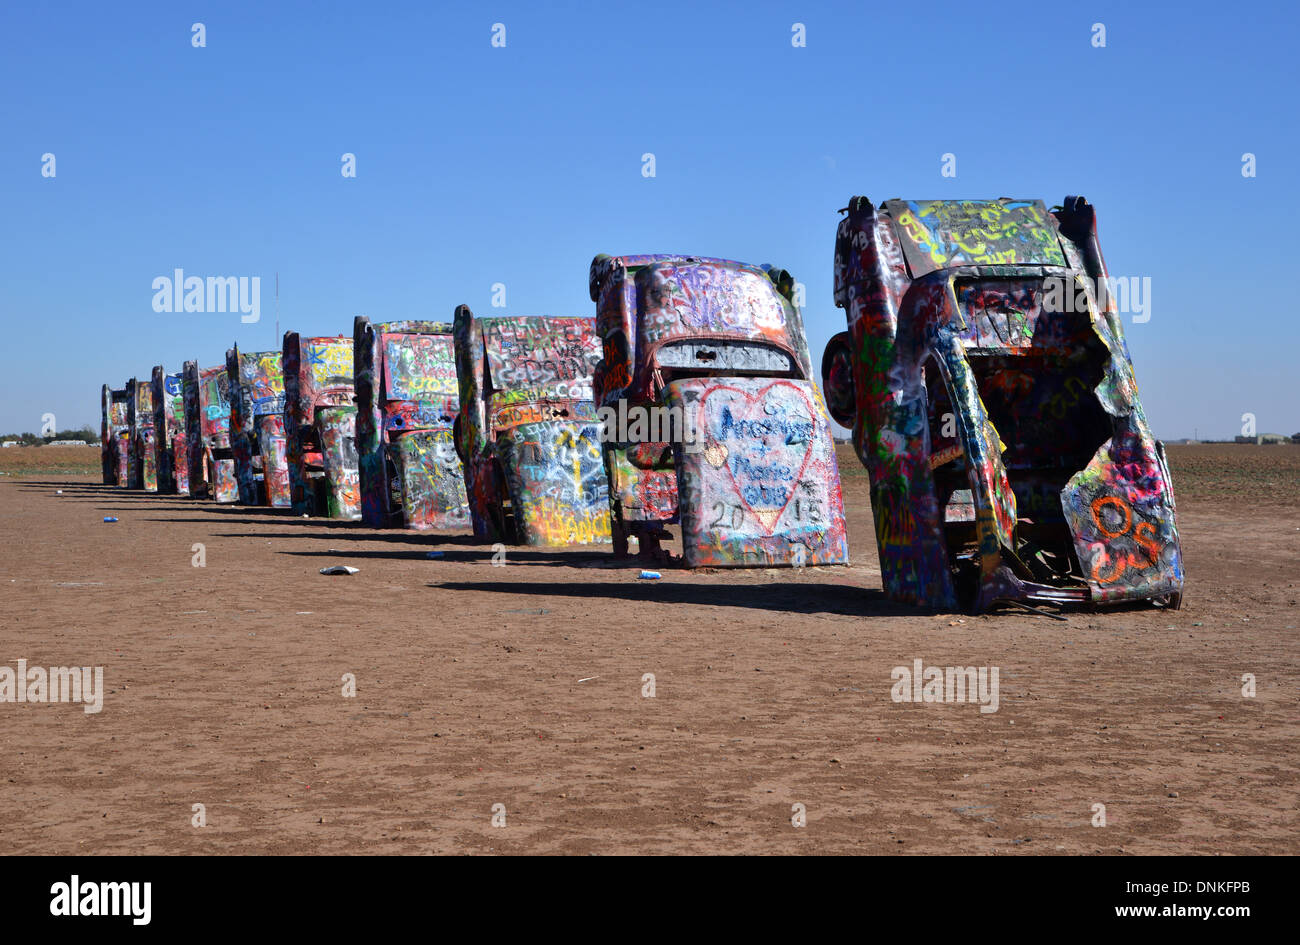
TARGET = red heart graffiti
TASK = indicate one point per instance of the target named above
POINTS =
(767, 518)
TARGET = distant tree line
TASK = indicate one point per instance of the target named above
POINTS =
(85, 435)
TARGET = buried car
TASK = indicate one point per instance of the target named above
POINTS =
(527, 431)
(115, 437)
(169, 426)
(321, 426)
(143, 466)
(257, 439)
(207, 414)
(742, 454)
(407, 400)
(992, 399)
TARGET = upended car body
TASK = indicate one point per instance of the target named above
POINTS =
(257, 437)
(143, 473)
(321, 426)
(992, 399)
(115, 437)
(170, 429)
(207, 412)
(527, 431)
(407, 400)
(719, 348)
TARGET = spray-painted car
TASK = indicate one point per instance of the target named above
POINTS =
(527, 431)
(407, 401)
(115, 437)
(257, 437)
(170, 428)
(320, 421)
(207, 412)
(143, 466)
(991, 396)
(717, 350)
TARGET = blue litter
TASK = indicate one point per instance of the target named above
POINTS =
(435, 554)
(650, 575)
(109, 518)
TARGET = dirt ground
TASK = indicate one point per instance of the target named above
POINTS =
(521, 685)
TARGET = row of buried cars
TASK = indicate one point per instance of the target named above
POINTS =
(1008, 454)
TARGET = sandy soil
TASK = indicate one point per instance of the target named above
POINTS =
(521, 685)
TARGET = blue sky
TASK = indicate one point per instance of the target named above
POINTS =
(479, 165)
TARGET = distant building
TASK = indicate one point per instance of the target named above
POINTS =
(1265, 438)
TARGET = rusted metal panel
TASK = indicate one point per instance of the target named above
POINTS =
(711, 344)
(527, 430)
(642, 483)
(257, 404)
(1009, 455)
(207, 409)
(320, 426)
(407, 401)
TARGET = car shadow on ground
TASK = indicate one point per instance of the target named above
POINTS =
(576, 559)
(338, 531)
(834, 599)
(336, 524)
(93, 488)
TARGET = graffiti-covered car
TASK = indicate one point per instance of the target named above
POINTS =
(407, 401)
(742, 453)
(115, 436)
(320, 424)
(992, 399)
(170, 428)
(143, 472)
(527, 431)
(257, 438)
(207, 413)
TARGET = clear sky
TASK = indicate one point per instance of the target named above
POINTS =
(478, 165)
